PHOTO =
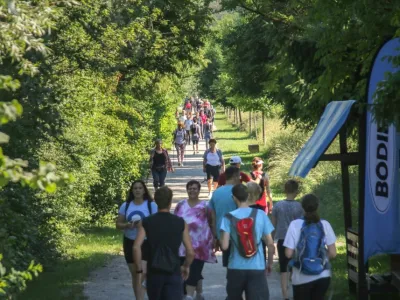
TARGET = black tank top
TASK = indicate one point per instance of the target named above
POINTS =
(163, 228)
(159, 159)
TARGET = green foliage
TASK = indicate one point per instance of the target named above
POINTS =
(302, 55)
(98, 81)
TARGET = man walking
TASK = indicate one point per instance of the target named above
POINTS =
(247, 227)
(222, 203)
(164, 232)
(235, 161)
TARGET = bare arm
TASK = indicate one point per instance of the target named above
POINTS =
(122, 224)
(188, 246)
(289, 252)
(332, 251)
(224, 240)
(213, 222)
(271, 249)
(137, 247)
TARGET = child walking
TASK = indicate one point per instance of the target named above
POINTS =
(283, 213)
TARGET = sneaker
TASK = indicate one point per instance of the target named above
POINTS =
(179, 164)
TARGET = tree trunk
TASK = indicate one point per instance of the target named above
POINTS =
(240, 117)
(250, 123)
(255, 124)
(263, 128)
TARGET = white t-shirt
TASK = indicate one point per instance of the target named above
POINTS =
(188, 123)
(213, 159)
(291, 240)
(136, 213)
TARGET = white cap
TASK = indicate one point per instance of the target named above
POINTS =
(235, 160)
(260, 162)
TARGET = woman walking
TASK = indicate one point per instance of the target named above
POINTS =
(310, 287)
(197, 215)
(195, 132)
(138, 205)
(160, 164)
(188, 123)
(259, 176)
(207, 131)
(213, 165)
(180, 142)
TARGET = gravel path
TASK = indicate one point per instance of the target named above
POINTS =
(113, 280)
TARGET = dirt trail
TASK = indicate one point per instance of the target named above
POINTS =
(113, 280)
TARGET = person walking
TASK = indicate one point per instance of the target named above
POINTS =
(283, 213)
(188, 123)
(222, 203)
(213, 165)
(165, 233)
(259, 176)
(195, 132)
(311, 272)
(138, 205)
(235, 161)
(198, 217)
(208, 132)
(180, 142)
(202, 121)
(160, 164)
(247, 265)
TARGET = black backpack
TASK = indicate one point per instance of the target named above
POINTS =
(193, 128)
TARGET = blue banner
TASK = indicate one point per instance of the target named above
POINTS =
(382, 205)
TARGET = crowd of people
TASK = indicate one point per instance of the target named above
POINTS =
(166, 252)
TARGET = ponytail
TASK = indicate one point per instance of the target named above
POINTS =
(311, 217)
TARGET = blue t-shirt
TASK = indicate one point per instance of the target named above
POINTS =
(222, 203)
(262, 228)
(134, 213)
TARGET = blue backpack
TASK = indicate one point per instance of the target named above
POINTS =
(310, 254)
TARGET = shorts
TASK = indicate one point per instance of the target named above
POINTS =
(196, 268)
(128, 250)
(252, 282)
(283, 260)
(213, 171)
(195, 142)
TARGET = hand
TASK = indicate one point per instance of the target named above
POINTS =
(130, 225)
(136, 224)
(217, 246)
(185, 272)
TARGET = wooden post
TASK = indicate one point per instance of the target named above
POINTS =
(255, 124)
(240, 117)
(263, 127)
(362, 149)
(250, 123)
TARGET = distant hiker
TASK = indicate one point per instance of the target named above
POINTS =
(195, 132)
(213, 165)
(208, 132)
(259, 176)
(180, 143)
(222, 203)
(164, 233)
(197, 215)
(188, 123)
(235, 161)
(160, 164)
(188, 106)
(138, 205)
(284, 212)
(194, 104)
(199, 103)
(311, 273)
(202, 121)
(246, 227)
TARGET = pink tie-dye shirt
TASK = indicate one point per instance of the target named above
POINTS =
(199, 230)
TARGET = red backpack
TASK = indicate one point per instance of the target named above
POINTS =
(243, 234)
(188, 105)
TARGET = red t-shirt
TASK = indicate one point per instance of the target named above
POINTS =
(243, 178)
(203, 119)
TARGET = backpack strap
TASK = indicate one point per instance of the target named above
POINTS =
(219, 152)
(149, 207)
(252, 175)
